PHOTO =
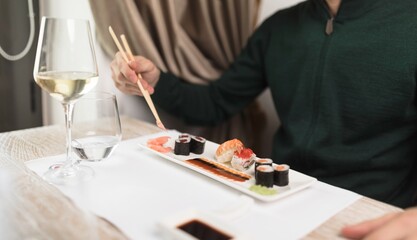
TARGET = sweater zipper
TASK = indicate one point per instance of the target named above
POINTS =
(317, 88)
(329, 26)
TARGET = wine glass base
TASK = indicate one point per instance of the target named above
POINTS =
(69, 175)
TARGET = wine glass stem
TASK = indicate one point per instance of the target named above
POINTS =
(68, 108)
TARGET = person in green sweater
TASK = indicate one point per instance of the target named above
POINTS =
(342, 75)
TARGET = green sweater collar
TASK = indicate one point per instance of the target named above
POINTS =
(349, 9)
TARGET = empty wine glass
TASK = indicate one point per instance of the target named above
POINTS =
(96, 129)
(66, 68)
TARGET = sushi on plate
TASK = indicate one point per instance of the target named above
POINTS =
(226, 150)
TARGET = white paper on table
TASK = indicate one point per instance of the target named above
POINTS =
(135, 189)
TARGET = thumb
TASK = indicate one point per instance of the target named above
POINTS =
(133, 65)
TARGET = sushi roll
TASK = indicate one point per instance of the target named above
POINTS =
(243, 159)
(184, 135)
(262, 161)
(281, 174)
(197, 145)
(225, 151)
(264, 176)
(182, 146)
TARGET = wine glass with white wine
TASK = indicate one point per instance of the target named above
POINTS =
(66, 68)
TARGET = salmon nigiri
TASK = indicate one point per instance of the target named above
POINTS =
(225, 151)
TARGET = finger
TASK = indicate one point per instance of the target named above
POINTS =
(131, 89)
(124, 68)
(402, 226)
(117, 77)
(358, 231)
(120, 76)
(114, 68)
(117, 68)
(131, 85)
(128, 73)
(147, 86)
(151, 90)
(396, 228)
(411, 236)
(134, 91)
(127, 87)
(141, 65)
(119, 59)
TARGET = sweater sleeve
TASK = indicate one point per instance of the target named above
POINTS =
(223, 98)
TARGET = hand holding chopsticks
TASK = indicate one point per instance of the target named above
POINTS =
(129, 57)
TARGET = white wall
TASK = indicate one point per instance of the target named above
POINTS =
(271, 6)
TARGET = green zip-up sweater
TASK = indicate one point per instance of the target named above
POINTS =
(346, 98)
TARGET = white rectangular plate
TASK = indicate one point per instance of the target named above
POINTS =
(297, 180)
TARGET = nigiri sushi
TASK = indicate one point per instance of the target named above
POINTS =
(243, 159)
(225, 151)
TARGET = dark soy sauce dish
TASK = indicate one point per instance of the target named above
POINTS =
(203, 231)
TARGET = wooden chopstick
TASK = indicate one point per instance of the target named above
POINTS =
(128, 57)
(116, 41)
(144, 91)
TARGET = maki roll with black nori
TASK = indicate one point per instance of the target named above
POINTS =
(262, 161)
(264, 176)
(182, 146)
(197, 145)
(184, 135)
(281, 174)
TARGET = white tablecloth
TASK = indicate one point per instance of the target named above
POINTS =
(136, 189)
